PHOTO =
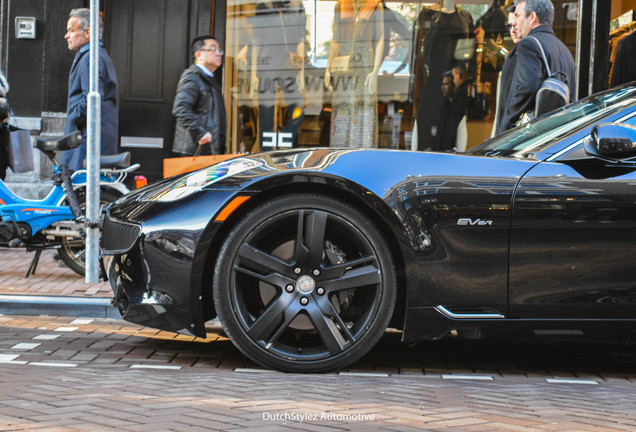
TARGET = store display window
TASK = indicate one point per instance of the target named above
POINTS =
(367, 73)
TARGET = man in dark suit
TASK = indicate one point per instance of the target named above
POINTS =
(198, 105)
(534, 18)
(78, 39)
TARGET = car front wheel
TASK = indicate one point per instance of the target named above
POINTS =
(305, 283)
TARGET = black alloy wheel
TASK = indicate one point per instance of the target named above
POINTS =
(305, 283)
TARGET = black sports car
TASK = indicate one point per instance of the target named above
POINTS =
(307, 256)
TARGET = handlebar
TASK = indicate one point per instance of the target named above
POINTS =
(120, 170)
(126, 170)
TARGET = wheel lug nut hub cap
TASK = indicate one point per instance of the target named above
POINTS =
(305, 284)
(304, 301)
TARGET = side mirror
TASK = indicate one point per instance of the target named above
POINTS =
(612, 141)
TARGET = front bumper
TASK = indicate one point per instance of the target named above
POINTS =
(159, 257)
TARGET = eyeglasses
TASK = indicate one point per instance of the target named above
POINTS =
(214, 50)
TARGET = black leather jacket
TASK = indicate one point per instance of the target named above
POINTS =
(199, 108)
(529, 72)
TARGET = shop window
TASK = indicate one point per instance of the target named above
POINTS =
(362, 74)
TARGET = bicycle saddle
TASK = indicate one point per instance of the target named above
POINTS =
(120, 160)
(58, 143)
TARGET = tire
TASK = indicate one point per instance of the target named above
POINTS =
(304, 283)
(73, 249)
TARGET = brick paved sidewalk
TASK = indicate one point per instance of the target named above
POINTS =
(48, 280)
(64, 374)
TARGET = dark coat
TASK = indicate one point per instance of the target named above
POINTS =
(77, 103)
(451, 114)
(5, 140)
(529, 72)
(199, 108)
(507, 71)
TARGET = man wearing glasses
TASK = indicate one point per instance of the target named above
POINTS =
(198, 104)
(507, 71)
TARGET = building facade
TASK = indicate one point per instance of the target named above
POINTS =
(302, 73)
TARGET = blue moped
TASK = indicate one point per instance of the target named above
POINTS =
(58, 221)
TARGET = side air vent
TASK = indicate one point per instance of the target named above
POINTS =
(472, 313)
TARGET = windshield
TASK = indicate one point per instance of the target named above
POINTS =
(542, 132)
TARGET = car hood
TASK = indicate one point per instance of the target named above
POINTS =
(377, 171)
(374, 169)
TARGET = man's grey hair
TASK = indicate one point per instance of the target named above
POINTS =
(543, 8)
(84, 14)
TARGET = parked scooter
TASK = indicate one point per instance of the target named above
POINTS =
(57, 221)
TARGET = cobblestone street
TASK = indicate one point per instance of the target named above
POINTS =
(101, 374)
(68, 373)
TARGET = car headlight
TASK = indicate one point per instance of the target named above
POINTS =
(195, 181)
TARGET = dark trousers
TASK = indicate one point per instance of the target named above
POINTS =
(5, 142)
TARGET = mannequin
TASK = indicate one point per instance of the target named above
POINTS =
(438, 30)
(355, 56)
(278, 64)
(448, 5)
(393, 25)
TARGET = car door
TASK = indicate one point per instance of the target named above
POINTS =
(573, 239)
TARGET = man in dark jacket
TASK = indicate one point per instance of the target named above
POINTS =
(507, 71)
(78, 38)
(534, 18)
(198, 105)
(455, 89)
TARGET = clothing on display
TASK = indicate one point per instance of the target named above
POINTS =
(494, 21)
(278, 31)
(623, 61)
(355, 57)
(438, 32)
(493, 42)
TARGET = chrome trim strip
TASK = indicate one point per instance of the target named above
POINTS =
(567, 149)
(441, 309)
(571, 146)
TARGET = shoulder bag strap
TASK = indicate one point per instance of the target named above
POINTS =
(4, 85)
(545, 60)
